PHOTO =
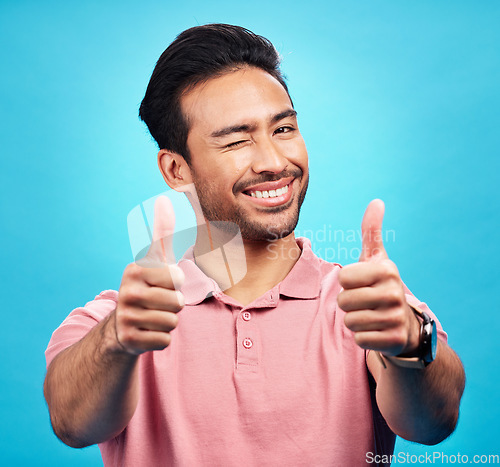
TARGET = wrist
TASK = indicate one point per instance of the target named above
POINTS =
(412, 348)
(426, 350)
(110, 343)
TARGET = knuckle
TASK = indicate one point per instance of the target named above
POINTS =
(126, 336)
(400, 338)
(395, 338)
(133, 271)
(384, 269)
(132, 294)
(393, 318)
(389, 269)
(125, 317)
(393, 296)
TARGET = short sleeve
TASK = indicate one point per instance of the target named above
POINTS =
(79, 322)
(416, 303)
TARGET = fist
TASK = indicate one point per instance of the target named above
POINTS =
(373, 295)
(149, 297)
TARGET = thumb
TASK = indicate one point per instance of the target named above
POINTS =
(371, 231)
(161, 248)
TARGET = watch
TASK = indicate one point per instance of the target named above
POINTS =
(426, 352)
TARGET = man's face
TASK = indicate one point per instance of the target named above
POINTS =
(248, 158)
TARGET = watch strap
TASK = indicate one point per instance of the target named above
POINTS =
(410, 362)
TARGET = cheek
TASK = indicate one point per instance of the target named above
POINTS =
(239, 168)
(223, 177)
(233, 169)
(296, 152)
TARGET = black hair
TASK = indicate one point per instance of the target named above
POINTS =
(197, 55)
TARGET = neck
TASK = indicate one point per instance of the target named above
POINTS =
(246, 269)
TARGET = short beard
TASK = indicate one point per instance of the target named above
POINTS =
(215, 211)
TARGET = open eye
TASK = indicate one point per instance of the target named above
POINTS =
(284, 129)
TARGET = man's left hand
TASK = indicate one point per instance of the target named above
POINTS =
(373, 295)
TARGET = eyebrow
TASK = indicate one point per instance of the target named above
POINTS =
(245, 128)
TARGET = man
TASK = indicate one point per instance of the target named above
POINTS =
(299, 362)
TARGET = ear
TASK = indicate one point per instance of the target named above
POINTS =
(175, 170)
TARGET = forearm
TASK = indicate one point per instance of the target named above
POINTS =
(91, 388)
(421, 405)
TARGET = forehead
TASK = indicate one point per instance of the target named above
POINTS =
(242, 96)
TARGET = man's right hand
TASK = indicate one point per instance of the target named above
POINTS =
(149, 297)
(146, 313)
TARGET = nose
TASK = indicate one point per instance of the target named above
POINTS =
(268, 157)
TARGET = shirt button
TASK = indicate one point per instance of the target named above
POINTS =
(247, 343)
(246, 315)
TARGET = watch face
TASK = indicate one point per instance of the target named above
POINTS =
(433, 339)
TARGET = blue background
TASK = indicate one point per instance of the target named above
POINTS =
(398, 100)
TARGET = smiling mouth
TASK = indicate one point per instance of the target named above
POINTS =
(268, 193)
(271, 194)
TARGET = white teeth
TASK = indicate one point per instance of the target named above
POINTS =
(270, 193)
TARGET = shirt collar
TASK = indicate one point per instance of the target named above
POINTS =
(199, 286)
(303, 281)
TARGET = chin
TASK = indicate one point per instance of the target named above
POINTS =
(267, 232)
(279, 221)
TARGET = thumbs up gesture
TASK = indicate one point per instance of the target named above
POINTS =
(373, 296)
(148, 300)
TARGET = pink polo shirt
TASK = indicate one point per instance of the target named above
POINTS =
(277, 382)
